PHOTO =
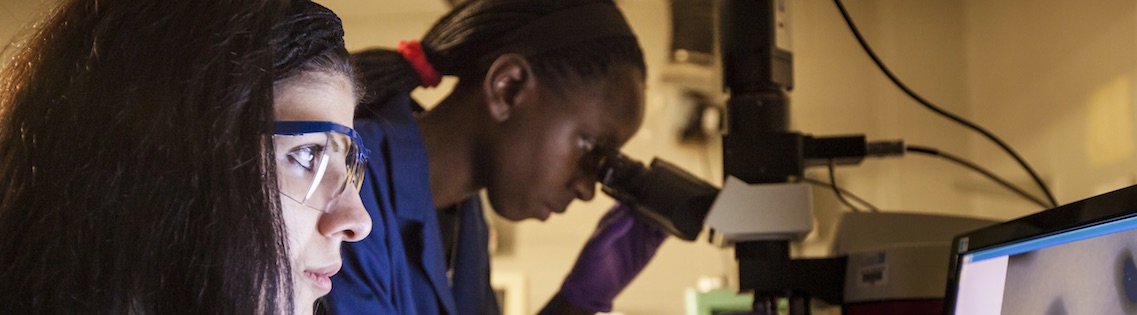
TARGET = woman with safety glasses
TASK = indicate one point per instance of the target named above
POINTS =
(177, 157)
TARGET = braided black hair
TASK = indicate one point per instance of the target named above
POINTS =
(464, 42)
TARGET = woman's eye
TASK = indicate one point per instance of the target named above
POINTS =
(586, 143)
(305, 156)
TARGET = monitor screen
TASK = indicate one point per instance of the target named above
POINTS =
(1074, 259)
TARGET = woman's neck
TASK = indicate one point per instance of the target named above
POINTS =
(450, 131)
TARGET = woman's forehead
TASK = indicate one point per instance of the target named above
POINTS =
(315, 96)
(614, 104)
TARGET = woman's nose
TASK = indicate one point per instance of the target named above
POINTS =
(585, 186)
(347, 219)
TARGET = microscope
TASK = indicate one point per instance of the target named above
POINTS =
(763, 204)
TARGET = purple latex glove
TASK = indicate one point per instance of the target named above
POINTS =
(616, 253)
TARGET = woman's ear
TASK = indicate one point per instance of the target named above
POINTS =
(506, 83)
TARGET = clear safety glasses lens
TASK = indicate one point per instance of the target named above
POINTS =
(316, 168)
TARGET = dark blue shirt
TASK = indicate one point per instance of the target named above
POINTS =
(401, 267)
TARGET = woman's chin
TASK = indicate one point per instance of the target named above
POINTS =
(304, 298)
(305, 305)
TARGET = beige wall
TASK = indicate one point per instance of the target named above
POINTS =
(1056, 79)
(1053, 78)
(14, 15)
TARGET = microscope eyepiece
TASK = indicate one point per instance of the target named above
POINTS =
(663, 194)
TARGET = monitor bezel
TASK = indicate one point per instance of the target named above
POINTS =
(1108, 207)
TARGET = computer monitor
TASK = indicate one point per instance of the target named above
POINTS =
(1075, 259)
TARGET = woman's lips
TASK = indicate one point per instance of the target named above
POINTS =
(321, 277)
(544, 213)
(548, 211)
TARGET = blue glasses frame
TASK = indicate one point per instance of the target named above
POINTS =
(356, 164)
(295, 128)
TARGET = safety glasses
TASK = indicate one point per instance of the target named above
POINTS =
(317, 161)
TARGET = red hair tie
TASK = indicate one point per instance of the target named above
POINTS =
(412, 52)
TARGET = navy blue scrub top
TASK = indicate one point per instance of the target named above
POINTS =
(401, 268)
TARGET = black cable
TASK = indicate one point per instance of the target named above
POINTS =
(992, 176)
(929, 105)
(846, 192)
(833, 184)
